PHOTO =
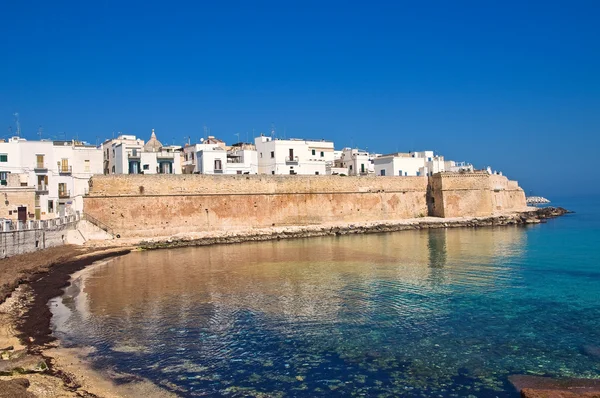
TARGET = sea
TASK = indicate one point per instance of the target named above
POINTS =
(431, 313)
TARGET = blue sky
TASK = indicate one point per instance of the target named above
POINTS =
(511, 84)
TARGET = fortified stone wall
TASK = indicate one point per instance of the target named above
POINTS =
(473, 194)
(161, 205)
(155, 205)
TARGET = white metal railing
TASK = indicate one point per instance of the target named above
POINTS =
(291, 158)
(15, 225)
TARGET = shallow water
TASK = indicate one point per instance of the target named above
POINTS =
(415, 313)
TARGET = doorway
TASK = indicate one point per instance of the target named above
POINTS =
(22, 213)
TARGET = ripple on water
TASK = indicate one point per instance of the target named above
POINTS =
(440, 313)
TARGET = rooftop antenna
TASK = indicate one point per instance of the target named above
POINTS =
(272, 130)
(40, 131)
(238, 137)
(16, 115)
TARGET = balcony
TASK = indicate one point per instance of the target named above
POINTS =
(165, 155)
(134, 154)
(64, 194)
(40, 168)
(41, 189)
(65, 170)
(291, 159)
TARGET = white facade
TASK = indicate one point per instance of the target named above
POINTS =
(409, 164)
(59, 171)
(355, 162)
(293, 156)
(127, 154)
(216, 158)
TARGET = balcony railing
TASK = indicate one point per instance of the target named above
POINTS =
(134, 154)
(64, 194)
(65, 169)
(40, 167)
(165, 155)
(291, 159)
(41, 188)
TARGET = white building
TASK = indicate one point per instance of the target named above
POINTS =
(293, 156)
(409, 164)
(355, 162)
(127, 154)
(424, 163)
(212, 156)
(59, 171)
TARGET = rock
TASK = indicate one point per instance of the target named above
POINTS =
(592, 350)
(16, 388)
(547, 387)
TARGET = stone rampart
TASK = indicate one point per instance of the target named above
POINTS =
(159, 205)
(162, 205)
(473, 194)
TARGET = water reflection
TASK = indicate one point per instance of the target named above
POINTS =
(307, 308)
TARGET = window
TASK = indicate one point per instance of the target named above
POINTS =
(322, 154)
(113, 153)
(350, 167)
(261, 155)
(382, 173)
(272, 154)
(3, 157)
(192, 155)
(186, 157)
(39, 160)
(291, 154)
(3, 177)
(146, 167)
(218, 164)
(316, 173)
(50, 206)
(314, 152)
(62, 190)
(239, 172)
(113, 169)
(273, 172)
(400, 173)
(86, 166)
(64, 165)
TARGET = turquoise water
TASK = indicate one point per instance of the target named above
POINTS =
(414, 313)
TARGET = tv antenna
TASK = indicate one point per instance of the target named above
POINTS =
(16, 115)
(272, 130)
(40, 131)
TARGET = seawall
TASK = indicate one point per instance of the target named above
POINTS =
(163, 205)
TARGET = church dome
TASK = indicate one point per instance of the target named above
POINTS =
(153, 145)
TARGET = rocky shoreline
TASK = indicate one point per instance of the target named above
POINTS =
(29, 321)
(294, 232)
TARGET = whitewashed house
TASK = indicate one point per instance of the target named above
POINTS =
(59, 171)
(356, 162)
(127, 154)
(212, 156)
(293, 156)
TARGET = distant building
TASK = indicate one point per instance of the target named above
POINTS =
(424, 163)
(127, 154)
(293, 156)
(45, 179)
(212, 156)
(355, 162)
